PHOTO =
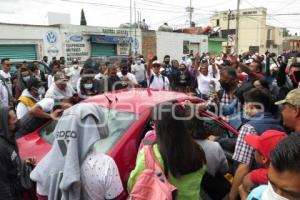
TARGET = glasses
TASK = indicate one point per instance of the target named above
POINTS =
(7, 64)
(156, 66)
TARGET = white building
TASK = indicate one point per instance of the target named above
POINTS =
(32, 42)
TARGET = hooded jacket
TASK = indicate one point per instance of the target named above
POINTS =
(58, 173)
(10, 188)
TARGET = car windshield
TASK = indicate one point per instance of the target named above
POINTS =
(117, 122)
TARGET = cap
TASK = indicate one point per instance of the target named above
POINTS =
(60, 76)
(293, 98)
(156, 62)
(265, 142)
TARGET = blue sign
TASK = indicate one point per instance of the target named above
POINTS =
(110, 39)
(76, 38)
(51, 37)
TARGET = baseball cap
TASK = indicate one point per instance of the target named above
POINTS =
(265, 142)
(293, 98)
(156, 62)
(60, 76)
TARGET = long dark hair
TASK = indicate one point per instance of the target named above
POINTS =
(180, 153)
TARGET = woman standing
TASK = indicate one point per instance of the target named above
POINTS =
(182, 160)
(10, 162)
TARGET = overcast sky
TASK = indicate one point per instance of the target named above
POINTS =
(112, 13)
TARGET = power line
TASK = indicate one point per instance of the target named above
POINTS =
(118, 6)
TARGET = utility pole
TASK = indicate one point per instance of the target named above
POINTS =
(135, 24)
(190, 10)
(130, 29)
(228, 23)
(237, 27)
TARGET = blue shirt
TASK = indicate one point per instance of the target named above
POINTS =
(257, 192)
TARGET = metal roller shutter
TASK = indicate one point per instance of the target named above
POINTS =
(18, 51)
(101, 49)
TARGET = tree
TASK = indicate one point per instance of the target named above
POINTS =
(286, 32)
(82, 20)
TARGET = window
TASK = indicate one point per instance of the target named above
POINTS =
(117, 122)
(186, 47)
(218, 22)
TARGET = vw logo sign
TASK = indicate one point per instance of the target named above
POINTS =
(76, 38)
(51, 37)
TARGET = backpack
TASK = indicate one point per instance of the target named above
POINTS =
(152, 78)
(152, 184)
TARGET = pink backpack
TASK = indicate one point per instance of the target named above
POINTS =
(152, 184)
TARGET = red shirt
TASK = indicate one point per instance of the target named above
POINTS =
(259, 176)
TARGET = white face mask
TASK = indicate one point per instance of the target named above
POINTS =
(271, 194)
(88, 86)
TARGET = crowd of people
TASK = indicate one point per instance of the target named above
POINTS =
(259, 95)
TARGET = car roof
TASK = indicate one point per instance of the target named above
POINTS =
(136, 100)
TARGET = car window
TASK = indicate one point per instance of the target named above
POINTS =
(117, 122)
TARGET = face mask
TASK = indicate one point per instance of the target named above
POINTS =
(167, 62)
(88, 86)
(138, 62)
(26, 78)
(271, 194)
(41, 91)
(225, 85)
(124, 71)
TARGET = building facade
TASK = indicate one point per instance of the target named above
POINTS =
(32, 42)
(254, 33)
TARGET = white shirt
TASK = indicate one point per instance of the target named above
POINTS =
(100, 177)
(159, 82)
(50, 80)
(139, 72)
(22, 109)
(130, 76)
(99, 76)
(4, 95)
(203, 83)
(56, 93)
(8, 77)
(46, 104)
(74, 75)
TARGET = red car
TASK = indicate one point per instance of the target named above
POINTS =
(128, 114)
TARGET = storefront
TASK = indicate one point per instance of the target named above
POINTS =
(104, 45)
(18, 51)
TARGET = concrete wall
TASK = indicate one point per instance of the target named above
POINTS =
(169, 43)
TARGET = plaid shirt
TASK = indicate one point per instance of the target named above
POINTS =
(226, 100)
(243, 152)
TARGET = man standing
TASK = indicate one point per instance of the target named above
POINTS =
(156, 79)
(5, 83)
(139, 71)
(45, 61)
(60, 89)
(127, 78)
(74, 73)
(291, 110)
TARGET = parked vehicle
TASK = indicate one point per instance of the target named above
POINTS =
(128, 119)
